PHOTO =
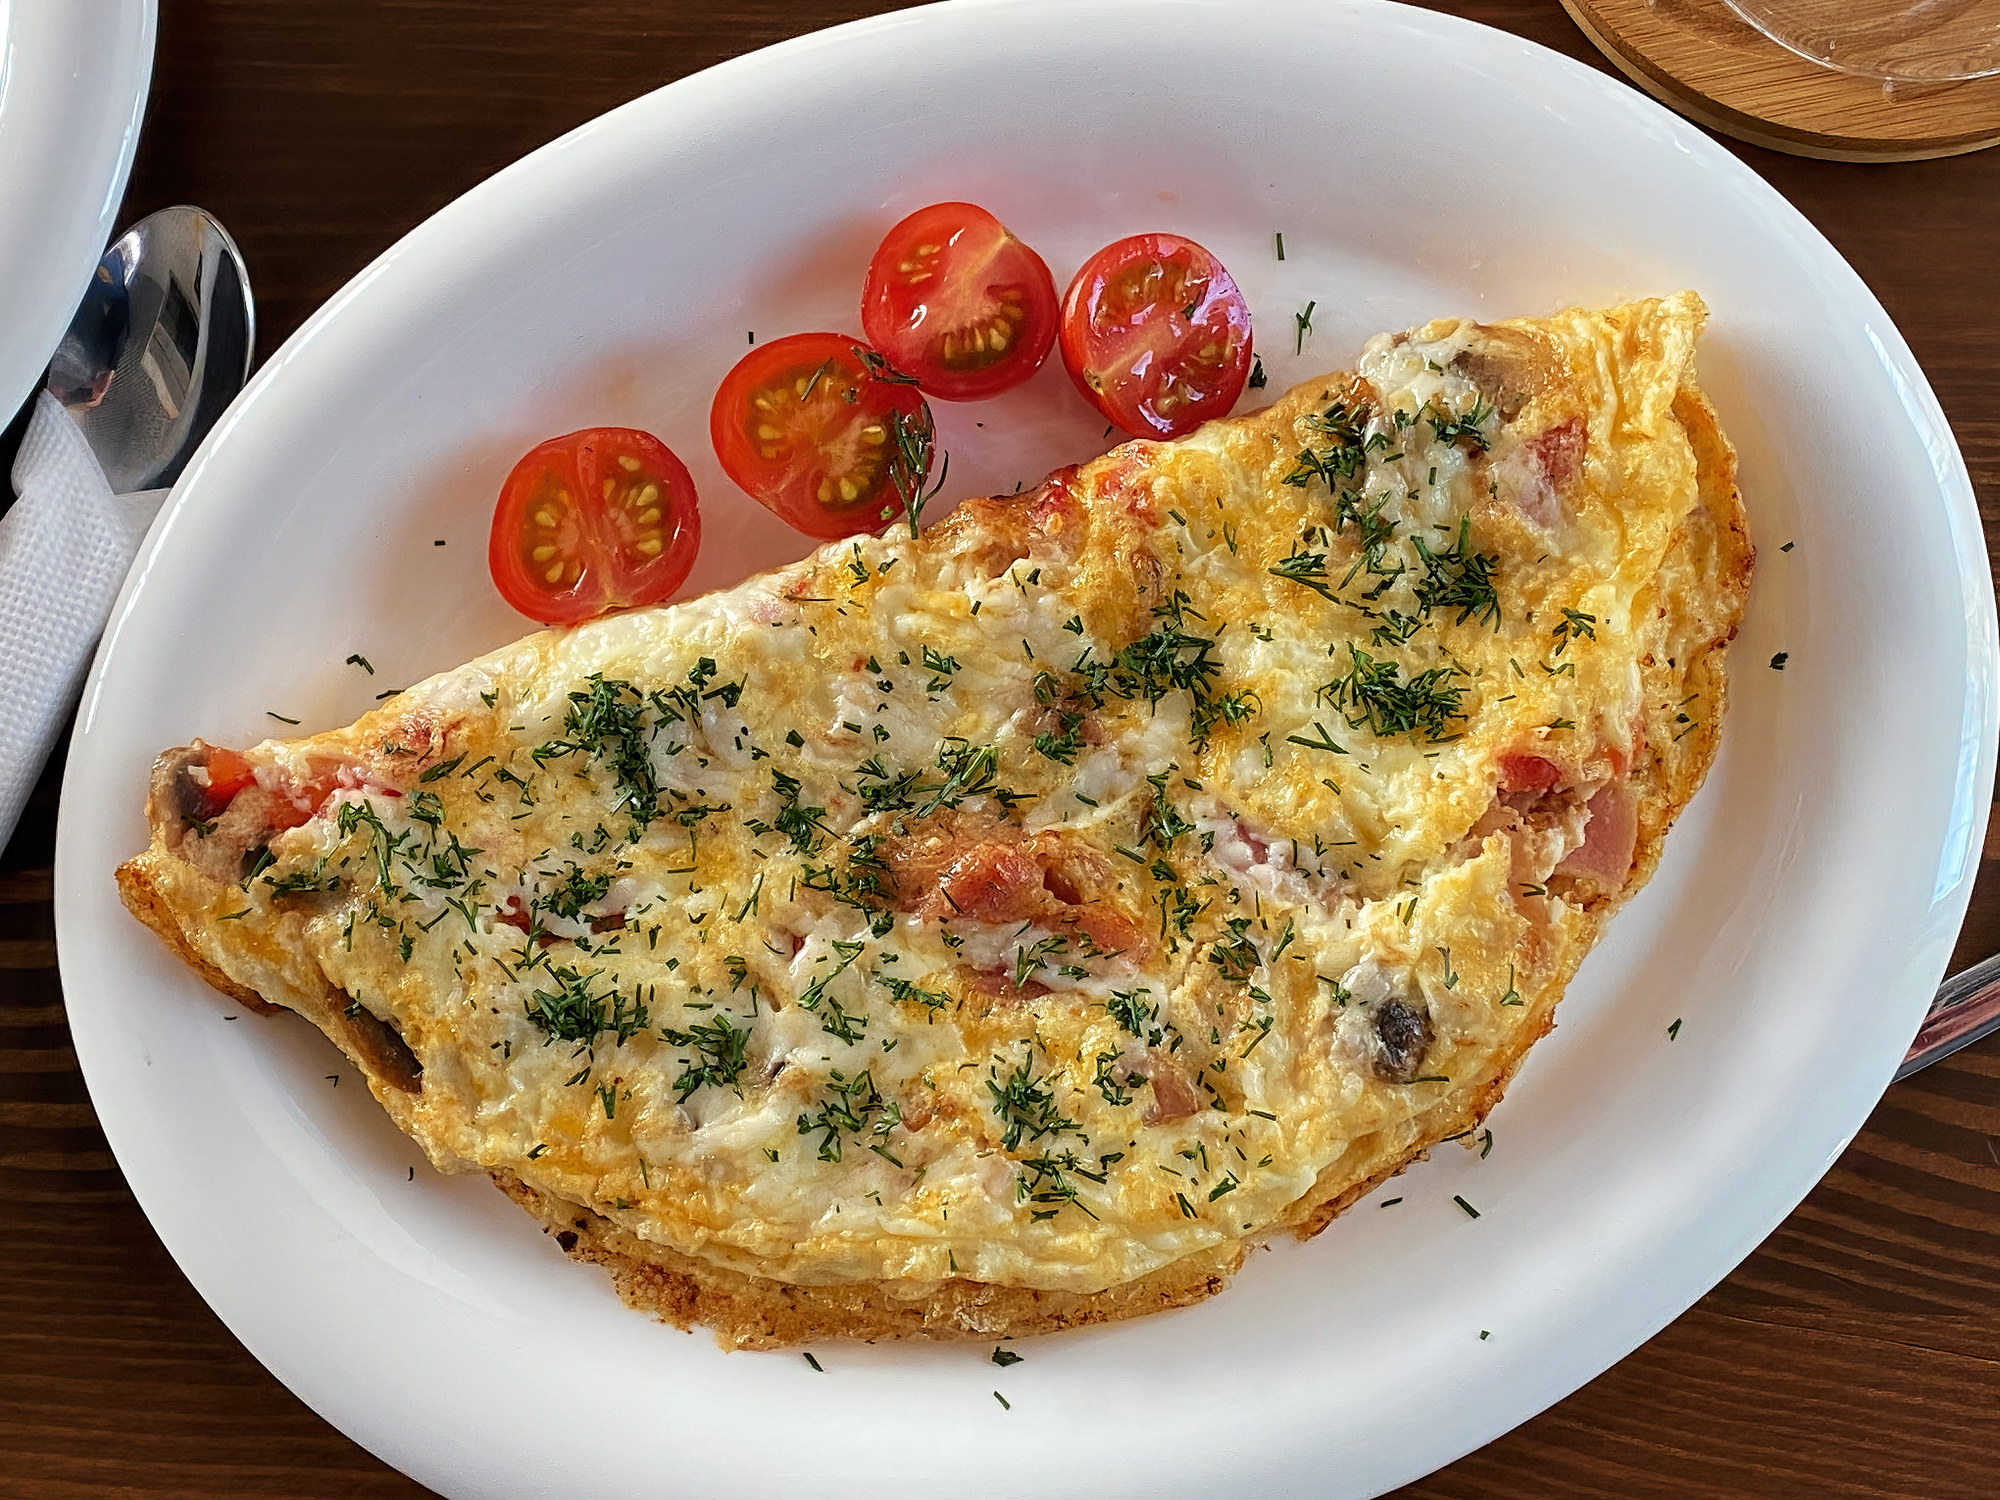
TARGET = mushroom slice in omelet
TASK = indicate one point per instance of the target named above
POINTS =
(1006, 928)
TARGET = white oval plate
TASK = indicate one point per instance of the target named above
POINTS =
(1416, 165)
(73, 78)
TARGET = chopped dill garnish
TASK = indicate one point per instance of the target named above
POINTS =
(912, 447)
(815, 998)
(902, 989)
(718, 1050)
(1574, 625)
(1341, 424)
(852, 1106)
(1459, 578)
(606, 722)
(1450, 429)
(571, 1013)
(1231, 708)
(1160, 662)
(1373, 693)
(1324, 741)
(576, 891)
(1396, 628)
(1025, 1106)
(1308, 568)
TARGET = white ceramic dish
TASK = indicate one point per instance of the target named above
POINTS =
(1416, 165)
(73, 78)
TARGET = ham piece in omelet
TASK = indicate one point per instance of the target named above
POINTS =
(1007, 928)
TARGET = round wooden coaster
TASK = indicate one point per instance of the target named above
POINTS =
(1701, 58)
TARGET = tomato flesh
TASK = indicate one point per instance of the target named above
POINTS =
(228, 773)
(808, 427)
(1156, 335)
(596, 520)
(953, 298)
(302, 802)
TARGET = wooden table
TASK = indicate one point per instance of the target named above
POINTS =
(1857, 1352)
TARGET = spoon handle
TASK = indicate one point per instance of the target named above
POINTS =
(1967, 1007)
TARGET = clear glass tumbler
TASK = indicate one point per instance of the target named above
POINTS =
(1901, 41)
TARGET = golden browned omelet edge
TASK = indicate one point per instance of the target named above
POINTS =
(1682, 671)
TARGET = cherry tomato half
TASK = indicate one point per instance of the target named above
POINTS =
(1156, 335)
(596, 520)
(953, 298)
(809, 426)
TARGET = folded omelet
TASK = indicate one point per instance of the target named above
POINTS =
(1006, 927)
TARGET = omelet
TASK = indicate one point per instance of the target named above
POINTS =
(1008, 926)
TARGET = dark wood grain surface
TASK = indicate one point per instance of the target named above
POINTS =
(1856, 1353)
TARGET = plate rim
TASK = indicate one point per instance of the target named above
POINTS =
(1920, 408)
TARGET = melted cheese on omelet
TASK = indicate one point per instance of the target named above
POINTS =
(1038, 901)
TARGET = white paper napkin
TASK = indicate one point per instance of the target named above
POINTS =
(65, 548)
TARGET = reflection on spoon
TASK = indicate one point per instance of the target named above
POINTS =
(158, 348)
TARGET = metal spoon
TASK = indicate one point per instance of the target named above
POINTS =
(1966, 1008)
(158, 348)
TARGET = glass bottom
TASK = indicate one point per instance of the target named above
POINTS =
(1915, 41)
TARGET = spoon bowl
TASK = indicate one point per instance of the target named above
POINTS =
(161, 343)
